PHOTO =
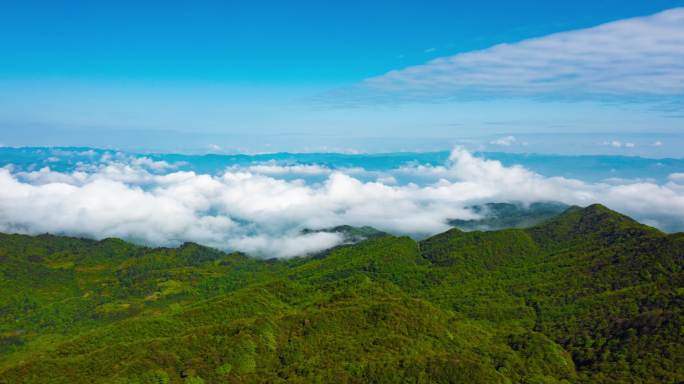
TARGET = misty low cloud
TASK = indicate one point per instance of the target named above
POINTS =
(254, 210)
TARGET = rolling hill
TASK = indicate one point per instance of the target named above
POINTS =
(588, 296)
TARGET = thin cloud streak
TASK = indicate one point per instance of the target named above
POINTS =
(630, 59)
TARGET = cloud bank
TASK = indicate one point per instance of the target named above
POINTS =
(637, 57)
(254, 210)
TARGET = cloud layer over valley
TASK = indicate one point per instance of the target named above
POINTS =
(262, 209)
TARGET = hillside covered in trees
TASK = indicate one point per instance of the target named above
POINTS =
(589, 296)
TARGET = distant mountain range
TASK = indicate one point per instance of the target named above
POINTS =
(589, 168)
(586, 296)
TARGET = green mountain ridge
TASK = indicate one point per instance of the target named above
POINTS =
(588, 296)
(495, 216)
(351, 234)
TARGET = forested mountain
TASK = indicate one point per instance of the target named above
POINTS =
(509, 215)
(587, 296)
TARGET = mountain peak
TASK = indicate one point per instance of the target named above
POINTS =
(596, 221)
(597, 217)
(598, 208)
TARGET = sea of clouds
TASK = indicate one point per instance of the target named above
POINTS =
(262, 208)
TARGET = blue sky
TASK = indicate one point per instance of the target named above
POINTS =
(475, 87)
(310, 75)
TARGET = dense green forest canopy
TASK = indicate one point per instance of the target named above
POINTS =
(587, 296)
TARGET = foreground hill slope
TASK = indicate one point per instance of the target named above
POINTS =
(588, 296)
(606, 288)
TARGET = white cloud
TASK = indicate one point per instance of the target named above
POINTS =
(263, 214)
(273, 168)
(657, 143)
(288, 246)
(387, 180)
(152, 164)
(642, 56)
(72, 153)
(614, 143)
(276, 169)
(619, 144)
(505, 141)
(677, 178)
